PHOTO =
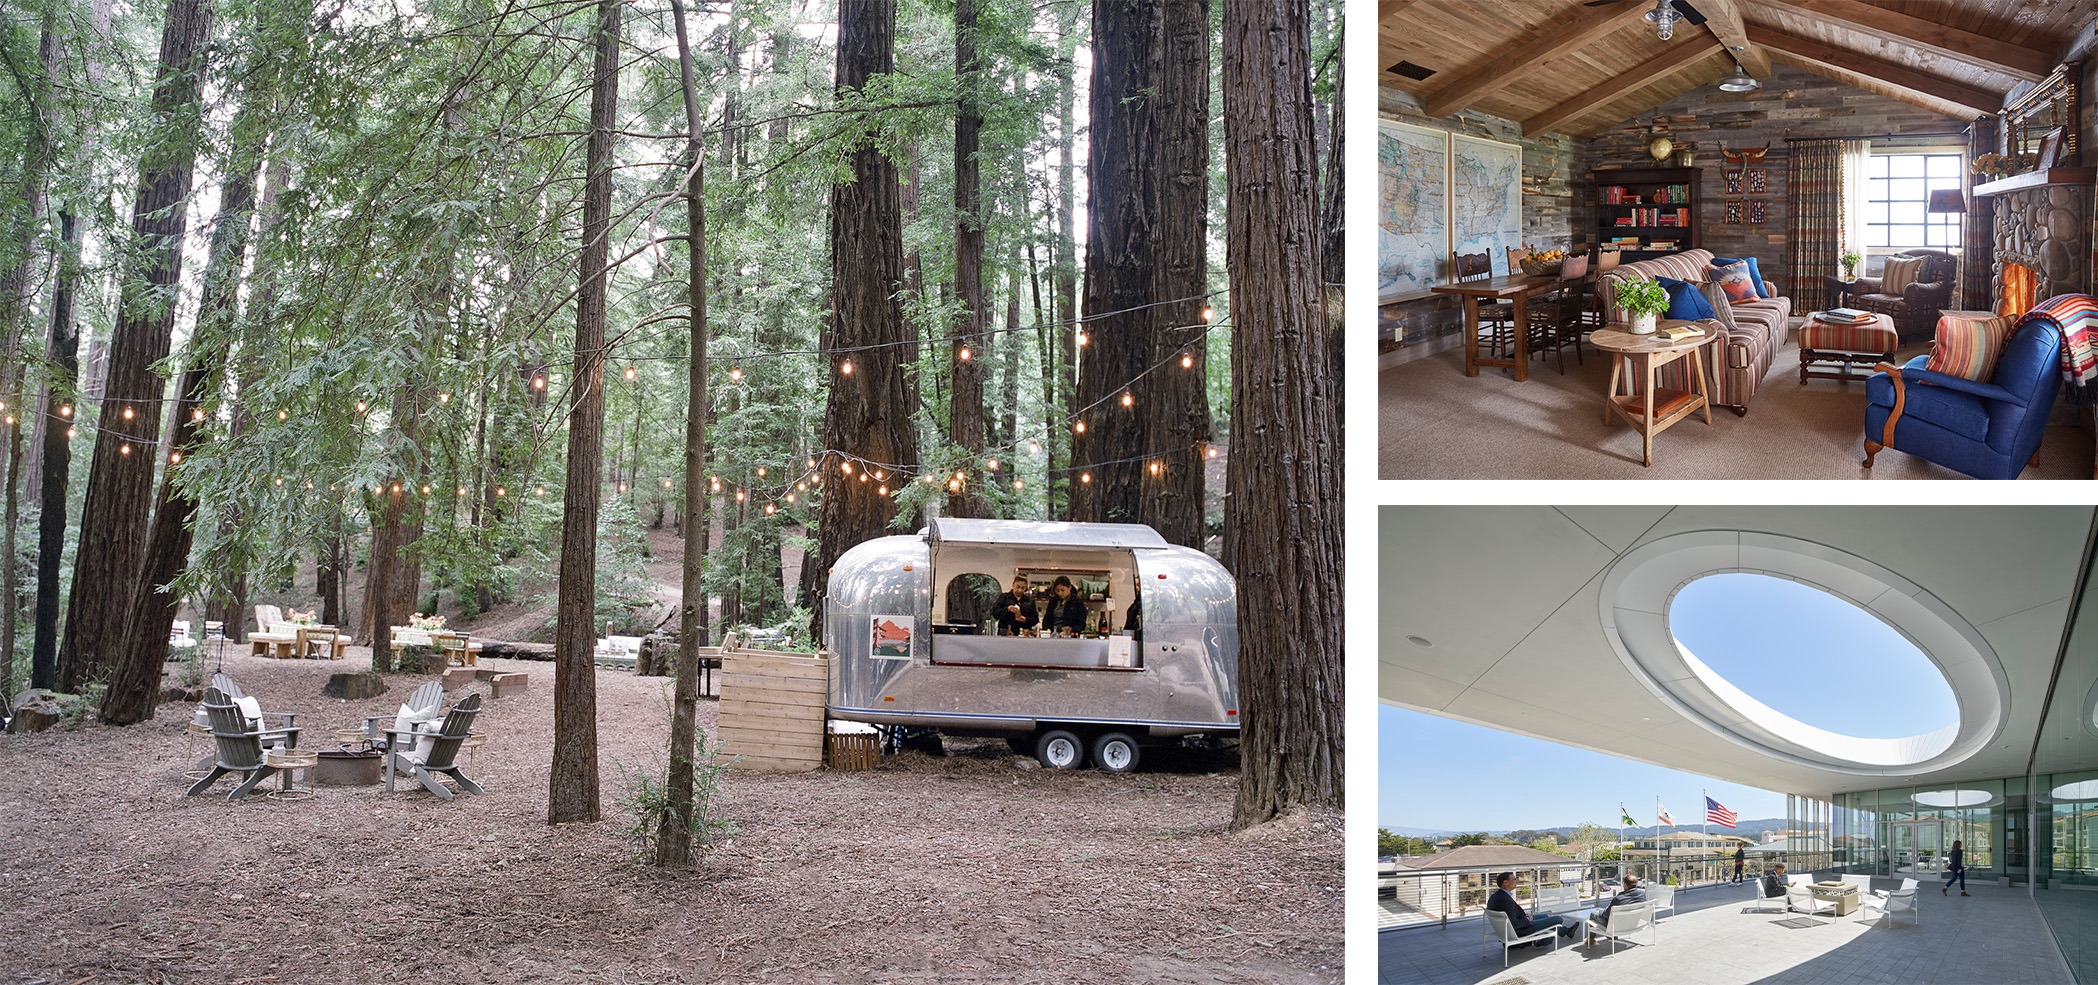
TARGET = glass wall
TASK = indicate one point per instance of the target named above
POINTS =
(2063, 791)
(1906, 832)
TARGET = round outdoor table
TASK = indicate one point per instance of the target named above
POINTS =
(472, 744)
(204, 765)
(1653, 409)
(287, 761)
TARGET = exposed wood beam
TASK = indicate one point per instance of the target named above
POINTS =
(1938, 39)
(1856, 80)
(1723, 17)
(1977, 101)
(1503, 68)
(1680, 55)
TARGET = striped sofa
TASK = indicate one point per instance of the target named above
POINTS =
(1755, 330)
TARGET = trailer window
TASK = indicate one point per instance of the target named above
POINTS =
(968, 609)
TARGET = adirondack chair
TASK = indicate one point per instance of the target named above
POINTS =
(441, 755)
(285, 734)
(427, 698)
(239, 746)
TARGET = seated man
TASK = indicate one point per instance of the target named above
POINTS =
(1503, 900)
(1014, 610)
(1774, 881)
(1631, 893)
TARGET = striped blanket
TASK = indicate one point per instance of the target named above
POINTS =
(2076, 317)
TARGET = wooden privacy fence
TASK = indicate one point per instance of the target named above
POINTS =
(772, 709)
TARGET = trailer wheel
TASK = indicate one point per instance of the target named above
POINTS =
(1115, 752)
(1060, 750)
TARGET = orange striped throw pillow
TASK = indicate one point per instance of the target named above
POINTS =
(1967, 346)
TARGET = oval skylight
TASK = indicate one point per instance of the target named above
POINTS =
(1953, 798)
(1812, 657)
(2079, 791)
(1804, 652)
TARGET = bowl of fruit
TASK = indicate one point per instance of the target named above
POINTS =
(1544, 263)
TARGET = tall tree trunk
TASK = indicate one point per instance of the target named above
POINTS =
(1121, 248)
(572, 793)
(1284, 477)
(1173, 400)
(1009, 416)
(120, 482)
(134, 689)
(16, 297)
(1061, 360)
(1047, 345)
(674, 835)
(62, 350)
(965, 398)
(1332, 215)
(868, 412)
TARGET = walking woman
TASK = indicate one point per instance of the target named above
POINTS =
(1955, 868)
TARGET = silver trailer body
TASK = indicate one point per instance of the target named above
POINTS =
(1175, 675)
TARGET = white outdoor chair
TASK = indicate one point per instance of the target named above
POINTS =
(1622, 921)
(1662, 896)
(1764, 897)
(1895, 901)
(1498, 926)
(178, 634)
(1799, 897)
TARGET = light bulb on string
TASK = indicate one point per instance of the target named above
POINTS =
(812, 463)
(124, 449)
(1082, 338)
(1034, 448)
(630, 372)
(962, 354)
(931, 480)
(1212, 451)
(538, 382)
(174, 458)
(9, 419)
(195, 415)
(666, 483)
(1208, 313)
(953, 486)
(992, 465)
(1187, 360)
(280, 480)
(462, 490)
(376, 490)
(622, 487)
(396, 487)
(864, 477)
(1156, 468)
(845, 367)
(770, 509)
(713, 485)
(883, 490)
(801, 487)
(790, 496)
(283, 415)
(1085, 478)
(360, 406)
(735, 374)
(129, 413)
(66, 410)
(1128, 399)
(426, 490)
(500, 491)
(444, 398)
(879, 474)
(1019, 484)
(70, 433)
(761, 471)
(740, 496)
(845, 467)
(1078, 428)
(538, 491)
(309, 486)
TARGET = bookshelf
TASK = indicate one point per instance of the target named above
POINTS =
(1657, 207)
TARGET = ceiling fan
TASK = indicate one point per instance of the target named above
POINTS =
(1663, 16)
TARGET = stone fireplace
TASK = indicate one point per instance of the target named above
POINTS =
(2043, 245)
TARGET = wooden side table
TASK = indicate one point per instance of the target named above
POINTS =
(1654, 408)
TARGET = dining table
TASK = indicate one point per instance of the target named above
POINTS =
(1514, 287)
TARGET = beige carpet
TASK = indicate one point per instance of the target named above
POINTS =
(1437, 424)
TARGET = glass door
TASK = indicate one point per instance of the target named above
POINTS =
(1916, 847)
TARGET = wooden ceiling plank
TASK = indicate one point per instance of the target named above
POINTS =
(1979, 101)
(1869, 84)
(1681, 55)
(1723, 17)
(1388, 11)
(1938, 39)
(1499, 70)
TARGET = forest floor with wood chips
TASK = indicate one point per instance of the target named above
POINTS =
(975, 866)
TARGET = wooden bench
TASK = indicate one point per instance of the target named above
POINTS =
(500, 684)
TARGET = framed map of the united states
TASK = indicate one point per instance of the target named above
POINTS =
(1438, 194)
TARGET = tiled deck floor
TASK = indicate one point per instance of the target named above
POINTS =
(1997, 936)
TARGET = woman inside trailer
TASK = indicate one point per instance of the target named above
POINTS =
(1063, 612)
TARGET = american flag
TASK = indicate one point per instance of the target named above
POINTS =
(1665, 819)
(1717, 813)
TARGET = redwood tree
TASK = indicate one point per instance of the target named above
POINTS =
(965, 413)
(120, 481)
(1284, 478)
(1173, 400)
(867, 414)
(1120, 253)
(572, 793)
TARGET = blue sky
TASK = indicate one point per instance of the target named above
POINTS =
(1795, 648)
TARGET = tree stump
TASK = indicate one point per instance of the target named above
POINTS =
(517, 651)
(37, 710)
(658, 655)
(421, 659)
(351, 687)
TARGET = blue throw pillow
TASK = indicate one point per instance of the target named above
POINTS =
(1755, 276)
(1686, 300)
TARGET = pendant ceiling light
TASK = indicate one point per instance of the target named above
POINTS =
(1740, 81)
(1663, 18)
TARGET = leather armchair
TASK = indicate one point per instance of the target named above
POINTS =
(1915, 310)
(1989, 430)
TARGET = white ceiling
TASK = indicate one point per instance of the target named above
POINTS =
(1508, 599)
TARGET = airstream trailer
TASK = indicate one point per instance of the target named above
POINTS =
(911, 623)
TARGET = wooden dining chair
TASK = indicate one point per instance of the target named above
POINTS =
(1496, 318)
(1557, 318)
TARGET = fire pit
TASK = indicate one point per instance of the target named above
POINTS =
(348, 766)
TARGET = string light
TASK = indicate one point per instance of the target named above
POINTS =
(1128, 399)
(1208, 313)
(882, 491)
(1212, 452)
(396, 488)
(879, 474)
(812, 463)
(864, 477)
(1155, 468)
(1082, 338)
(630, 372)
(283, 416)
(500, 491)
(735, 374)
(444, 398)
(622, 487)
(845, 467)
(845, 367)
(539, 491)
(761, 471)
(1034, 448)
(770, 509)
(11, 423)
(963, 354)
(70, 433)
(992, 465)
(360, 406)
(280, 480)
(1085, 478)
(1019, 484)
(174, 458)
(1187, 360)
(1078, 428)
(739, 495)
(801, 487)
(195, 415)
(462, 490)
(538, 382)
(129, 413)
(666, 483)
(426, 490)
(124, 449)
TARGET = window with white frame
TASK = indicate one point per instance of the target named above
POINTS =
(1897, 200)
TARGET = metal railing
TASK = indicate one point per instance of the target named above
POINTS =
(1434, 897)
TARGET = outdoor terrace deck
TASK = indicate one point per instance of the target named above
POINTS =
(1996, 935)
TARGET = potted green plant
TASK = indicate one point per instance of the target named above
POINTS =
(1851, 259)
(1646, 300)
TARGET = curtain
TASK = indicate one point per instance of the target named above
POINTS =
(1814, 190)
(1978, 228)
(1856, 162)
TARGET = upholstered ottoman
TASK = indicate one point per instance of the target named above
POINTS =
(1827, 351)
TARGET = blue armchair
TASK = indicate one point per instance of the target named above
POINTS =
(1987, 430)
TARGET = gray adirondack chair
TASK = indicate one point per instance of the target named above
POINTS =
(288, 719)
(239, 746)
(442, 755)
(425, 698)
